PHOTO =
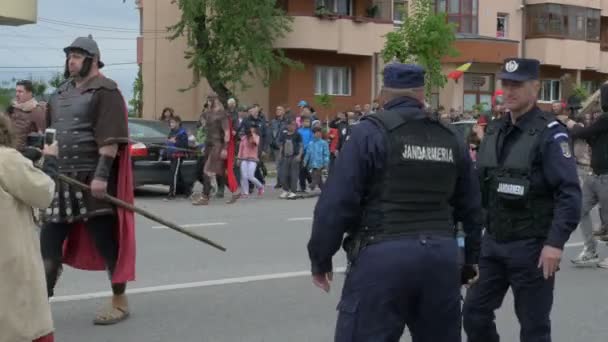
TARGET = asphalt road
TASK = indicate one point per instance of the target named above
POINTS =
(260, 290)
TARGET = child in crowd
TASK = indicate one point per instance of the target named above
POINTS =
(306, 133)
(201, 137)
(317, 158)
(290, 151)
(333, 136)
(177, 143)
(248, 158)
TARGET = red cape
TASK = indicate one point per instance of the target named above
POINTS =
(80, 252)
(233, 185)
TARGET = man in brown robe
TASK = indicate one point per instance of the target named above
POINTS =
(216, 148)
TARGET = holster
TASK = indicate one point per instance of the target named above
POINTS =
(352, 245)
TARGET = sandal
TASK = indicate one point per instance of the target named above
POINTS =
(201, 201)
(111, 315)
(234, 198)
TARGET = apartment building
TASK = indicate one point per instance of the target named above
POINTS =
(340, 51)
(339, 54)
(14, 13)
(567, 36)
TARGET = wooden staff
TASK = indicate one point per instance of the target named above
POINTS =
(142, 212)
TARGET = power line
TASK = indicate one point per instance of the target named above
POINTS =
(95, 37)
(53, 71)
(11, 47)
(96, 27)
(57, 67)
(88, 25)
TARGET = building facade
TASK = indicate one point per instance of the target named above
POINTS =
(340, 51)
(567, 36)
(14, 13)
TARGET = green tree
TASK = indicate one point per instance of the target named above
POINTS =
(40, 88)
(6, 96)
(230, 39)
(57, 80)
(424, 38)
(325, 101)
(137, 103)
(581, 93)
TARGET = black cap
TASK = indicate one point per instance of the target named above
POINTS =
(403, 76)
(520, 69)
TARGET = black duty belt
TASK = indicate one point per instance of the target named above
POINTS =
(353, 244)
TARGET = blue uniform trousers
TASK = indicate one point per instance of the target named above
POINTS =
(411, 281)
(503, 265)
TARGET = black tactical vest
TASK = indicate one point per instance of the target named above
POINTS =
(72, 117)
(516, 208)
(412, 194)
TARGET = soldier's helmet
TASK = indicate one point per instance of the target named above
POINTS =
(87, 45)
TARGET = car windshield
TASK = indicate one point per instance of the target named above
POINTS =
(148, 129)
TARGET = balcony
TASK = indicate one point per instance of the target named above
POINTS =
(14, 13)
(480, 49)
(583, 3)
(341, 35)
(551, 51)
(358, 10)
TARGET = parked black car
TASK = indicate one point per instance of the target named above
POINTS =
(150, 167)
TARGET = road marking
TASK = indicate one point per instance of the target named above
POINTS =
(299, 219)
(195, 225)
(163, 288)
(226, 281)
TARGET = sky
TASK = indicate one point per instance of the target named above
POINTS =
(36, 51)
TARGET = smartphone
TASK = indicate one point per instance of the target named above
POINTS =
(50, 135)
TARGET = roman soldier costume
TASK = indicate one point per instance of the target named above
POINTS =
(80, 230)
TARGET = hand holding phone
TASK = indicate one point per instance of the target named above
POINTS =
(51, 150)
(50, 135)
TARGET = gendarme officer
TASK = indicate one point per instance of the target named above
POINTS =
(532, 196)
(392, 192)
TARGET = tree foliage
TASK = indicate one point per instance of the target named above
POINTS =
(424, 38)
(39, 89)
(6, 96)
(57, 80)
(228, 40)
(137, 103)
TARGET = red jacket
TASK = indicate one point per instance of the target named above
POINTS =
(334, 138)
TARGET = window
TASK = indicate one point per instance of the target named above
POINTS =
(501, 26)
(549, 91)
(342, 7)
(399, 11)
(463, 13)
(593, 25)
(333, 81)
(454, 7)
(562, 21)
(478, 89)
(574, 21)
(604, 33)
(441, 5)
(434, 100)
(590, 86)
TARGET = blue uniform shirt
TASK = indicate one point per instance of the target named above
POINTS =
(360, 161)
(555, 167)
